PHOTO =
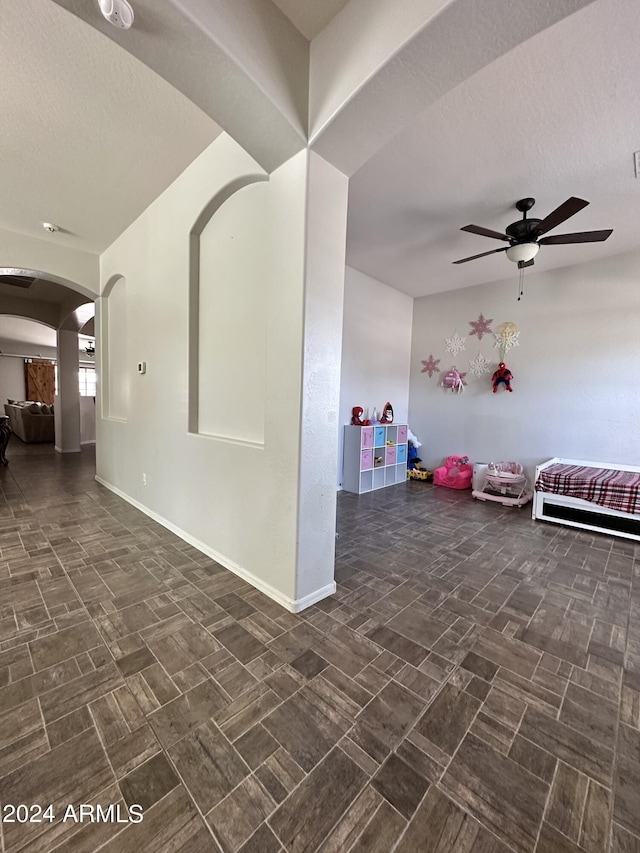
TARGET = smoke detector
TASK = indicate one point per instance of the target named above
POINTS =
(117, 12)
(50, 227)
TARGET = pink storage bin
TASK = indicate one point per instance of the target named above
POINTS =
(367, 436)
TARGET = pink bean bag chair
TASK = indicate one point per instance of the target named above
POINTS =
(456, 473)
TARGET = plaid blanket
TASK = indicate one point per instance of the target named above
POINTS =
(619, 490)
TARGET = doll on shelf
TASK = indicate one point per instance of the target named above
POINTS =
(356, 418)
(387, 414)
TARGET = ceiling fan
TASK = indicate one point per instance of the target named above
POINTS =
(524, 235)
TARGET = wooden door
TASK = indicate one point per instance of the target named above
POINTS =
(39, 381)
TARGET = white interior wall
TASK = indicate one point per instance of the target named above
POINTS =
(574, 387)
(87, 420)
(376, 350)
(235, 283)
(11, 379)
(238, 503)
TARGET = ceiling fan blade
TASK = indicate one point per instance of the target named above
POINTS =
(484, 232)
(570, 207)
(523, 264)
(578, 237)
(481, 255)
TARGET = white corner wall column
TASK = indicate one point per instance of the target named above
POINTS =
(325, 246)
(67, 400)
(261, 505)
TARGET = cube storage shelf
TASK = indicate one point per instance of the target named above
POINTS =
(369, 462)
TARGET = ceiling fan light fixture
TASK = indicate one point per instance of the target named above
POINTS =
(522, 252)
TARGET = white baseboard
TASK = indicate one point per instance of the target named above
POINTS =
(302, 603)
(90, 441)
(290, 604)
(60, 450)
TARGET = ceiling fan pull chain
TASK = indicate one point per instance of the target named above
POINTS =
(521, 284)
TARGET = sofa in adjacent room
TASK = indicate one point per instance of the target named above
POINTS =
(30, 421)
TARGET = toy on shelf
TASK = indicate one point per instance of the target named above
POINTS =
(356, 418)
(456, 473)
(387, 414)
(502, 375)
(506, 483)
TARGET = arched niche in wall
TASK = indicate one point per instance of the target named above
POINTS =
(113, 342)
(228, 307)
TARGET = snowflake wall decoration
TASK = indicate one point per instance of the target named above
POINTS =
(506, 338)
(481, 327)
(479, 366)
(455, 344)
(431, 366)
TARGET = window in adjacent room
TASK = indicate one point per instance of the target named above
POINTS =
(87, 379)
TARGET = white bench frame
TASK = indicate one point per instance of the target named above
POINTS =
(542, 499)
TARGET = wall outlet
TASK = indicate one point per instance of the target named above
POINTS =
(144, 479)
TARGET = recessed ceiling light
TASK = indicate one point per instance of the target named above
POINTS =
(50, 227)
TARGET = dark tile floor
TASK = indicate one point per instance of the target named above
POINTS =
(474, 684)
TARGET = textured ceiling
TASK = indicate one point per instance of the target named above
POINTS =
(310, 16)
(89, 135)
(557, 116)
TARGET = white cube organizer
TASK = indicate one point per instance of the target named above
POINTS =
(369, 462)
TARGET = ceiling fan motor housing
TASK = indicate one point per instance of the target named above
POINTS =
(523, 231)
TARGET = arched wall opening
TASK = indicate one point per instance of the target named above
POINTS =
(31, 365)
(112, 342)
(25, 344)
(228, 286)
(56, 279)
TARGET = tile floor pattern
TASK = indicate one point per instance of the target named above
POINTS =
(473, 685)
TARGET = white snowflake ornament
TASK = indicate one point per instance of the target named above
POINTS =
(455, 344)
(479, 366)
(506, 338)
(506, 342)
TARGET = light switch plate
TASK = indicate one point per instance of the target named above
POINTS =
(142, 367)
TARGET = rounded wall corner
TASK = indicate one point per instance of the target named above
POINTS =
(111, 283)
(224, 194)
